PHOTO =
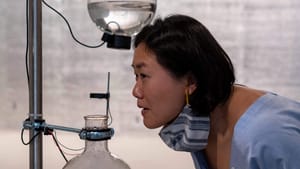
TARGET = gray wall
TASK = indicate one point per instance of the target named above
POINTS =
(260, 36)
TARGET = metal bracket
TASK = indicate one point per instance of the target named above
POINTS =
(84, 134)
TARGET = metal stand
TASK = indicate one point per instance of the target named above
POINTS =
(35, 80)
(35, 122)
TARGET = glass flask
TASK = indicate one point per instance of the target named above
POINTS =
(96, 154)
(121, 18)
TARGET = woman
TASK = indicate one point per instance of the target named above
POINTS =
(185, 83)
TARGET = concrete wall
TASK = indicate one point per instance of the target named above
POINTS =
(260, 36)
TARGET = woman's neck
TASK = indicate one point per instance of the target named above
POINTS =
(222, 122)
(225, 116)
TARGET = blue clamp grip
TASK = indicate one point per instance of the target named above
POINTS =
(97, 134)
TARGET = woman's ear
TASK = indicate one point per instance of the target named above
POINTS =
(192, 87)
(191, 83)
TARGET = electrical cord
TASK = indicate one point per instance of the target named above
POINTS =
(30, 140)
(57, 145)
(71, 149)
(110, 117)
(54, 138)
(71, 32)
(70, 29)
(26, 53)
(28, 76)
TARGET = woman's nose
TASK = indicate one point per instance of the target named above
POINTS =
(137, 91)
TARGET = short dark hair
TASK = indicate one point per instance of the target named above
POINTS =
(184, 46)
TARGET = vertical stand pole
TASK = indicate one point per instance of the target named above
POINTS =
(35, 80)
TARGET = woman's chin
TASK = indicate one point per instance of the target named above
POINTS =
(150, 125)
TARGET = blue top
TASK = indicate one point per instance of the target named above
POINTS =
(267, 136)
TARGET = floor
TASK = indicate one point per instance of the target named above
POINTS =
(140, 151)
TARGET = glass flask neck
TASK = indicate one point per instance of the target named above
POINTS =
(96, 154)
(96, 122)
(96, 146)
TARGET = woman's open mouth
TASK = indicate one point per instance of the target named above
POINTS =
(144, 111)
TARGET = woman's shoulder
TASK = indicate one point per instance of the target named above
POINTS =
(268, 132)
(270, 117)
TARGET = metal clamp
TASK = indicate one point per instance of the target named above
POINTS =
(85, 134)
(96, 135)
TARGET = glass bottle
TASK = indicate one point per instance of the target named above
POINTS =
(121, 19)
(96, 154)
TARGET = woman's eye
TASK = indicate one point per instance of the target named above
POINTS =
(141, 76)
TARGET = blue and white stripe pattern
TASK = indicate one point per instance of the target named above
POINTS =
(187, 132)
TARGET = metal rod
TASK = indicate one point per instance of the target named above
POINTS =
(62, 128)
(107, 99)
(35, 80)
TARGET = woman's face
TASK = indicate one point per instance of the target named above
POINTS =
(160, 96)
